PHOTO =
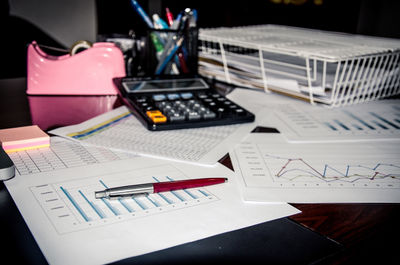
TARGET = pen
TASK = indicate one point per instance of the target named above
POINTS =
(142, 13)
(170, 17)
(166, 57)
(131, 190)
(159, 22)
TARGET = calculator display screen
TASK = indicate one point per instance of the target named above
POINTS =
(164, 85)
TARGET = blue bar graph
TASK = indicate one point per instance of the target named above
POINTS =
(94, 206)
(75, 204)
(85, 211)
(385, 120)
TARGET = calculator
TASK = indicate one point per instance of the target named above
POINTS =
(179, 103)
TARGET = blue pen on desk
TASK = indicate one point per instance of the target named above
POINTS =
(143, 14)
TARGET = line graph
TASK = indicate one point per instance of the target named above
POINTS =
(273, 163)
(272, 169)
(297, 169)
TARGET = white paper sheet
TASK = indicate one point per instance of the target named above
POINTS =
(377, 120)
(119, 130)
(72, 227)
(273, 170)
(300, 121)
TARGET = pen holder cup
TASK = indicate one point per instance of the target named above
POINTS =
(168, 52)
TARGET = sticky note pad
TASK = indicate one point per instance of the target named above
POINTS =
(23, 138)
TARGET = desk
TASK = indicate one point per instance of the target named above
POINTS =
(366, 232)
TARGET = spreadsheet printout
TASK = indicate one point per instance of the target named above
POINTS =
(120, 130)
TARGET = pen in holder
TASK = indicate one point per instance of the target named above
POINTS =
(169, 52)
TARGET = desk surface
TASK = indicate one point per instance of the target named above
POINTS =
(367, 232)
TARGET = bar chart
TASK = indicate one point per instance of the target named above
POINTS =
(71, 206)
(377, 120)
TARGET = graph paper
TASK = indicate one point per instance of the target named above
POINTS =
(273, 170)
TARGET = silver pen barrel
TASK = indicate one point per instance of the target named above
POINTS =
(125, 191)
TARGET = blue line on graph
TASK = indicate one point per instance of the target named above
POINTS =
(186, 191)
(357, 127)
(360, 120)
(154, 202)
(347, 171)
(385, 120)
(330, 126)
(190, 194)
(175, 193)
(126, 206)
(397, 120)
(342, 125)
(162, 195)
(381, 125)
(113, 209)
(156, 179)
(94, 207)
(165, 198)
(75, 204)
(141, 205)
(204, 193)
(102, 183)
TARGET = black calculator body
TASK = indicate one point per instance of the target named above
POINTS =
(179, 103)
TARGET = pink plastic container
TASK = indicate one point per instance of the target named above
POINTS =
(89, 72)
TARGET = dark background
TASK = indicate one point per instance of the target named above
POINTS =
(368, 17)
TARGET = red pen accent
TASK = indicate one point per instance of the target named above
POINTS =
(182, 62)
(170, 17)
(186, 184)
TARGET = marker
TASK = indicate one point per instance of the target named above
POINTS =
(170, 17)
(142, 189)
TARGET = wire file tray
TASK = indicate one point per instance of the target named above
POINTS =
(332, 68)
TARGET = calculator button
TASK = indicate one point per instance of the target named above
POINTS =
(193, 116)
(159, 97)
(240, 111)
(176, 117)
(187, 95)
(141, 99)
(173, 96)
(159, 119)
(152, 113)
(209, 115)
(156, 116)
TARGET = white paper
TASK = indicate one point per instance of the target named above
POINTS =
(72, 227)
(377, 120)
(273, 170)
(201, 145)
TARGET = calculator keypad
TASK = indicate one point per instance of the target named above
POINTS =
(187, 106)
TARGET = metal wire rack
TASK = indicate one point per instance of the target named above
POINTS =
(332, 68)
